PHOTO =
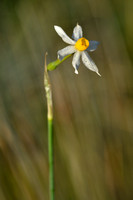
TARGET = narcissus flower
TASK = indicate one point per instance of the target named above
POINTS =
(79, 47)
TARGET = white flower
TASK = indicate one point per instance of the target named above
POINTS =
(78, 46)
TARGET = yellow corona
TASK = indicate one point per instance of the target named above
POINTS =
(82, 44)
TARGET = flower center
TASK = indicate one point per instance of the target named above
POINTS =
(82, 44)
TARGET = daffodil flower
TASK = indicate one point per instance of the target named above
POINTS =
(79, 47)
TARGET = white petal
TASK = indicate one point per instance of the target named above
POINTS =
(66, 51)
(76, 61)
(88, 62)
(92, 45)
(63, 35)
(77, 32)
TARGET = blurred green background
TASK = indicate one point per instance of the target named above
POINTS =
(93, 116)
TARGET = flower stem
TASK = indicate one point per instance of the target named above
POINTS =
(50, 149)
(48, 90)
(51, 66)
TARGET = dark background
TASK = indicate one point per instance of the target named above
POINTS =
(93, 116)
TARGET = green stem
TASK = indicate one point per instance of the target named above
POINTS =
(47, 86)
(50, 149)
(51, 66)
(48, 90)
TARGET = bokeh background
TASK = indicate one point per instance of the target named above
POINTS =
(93, 116)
